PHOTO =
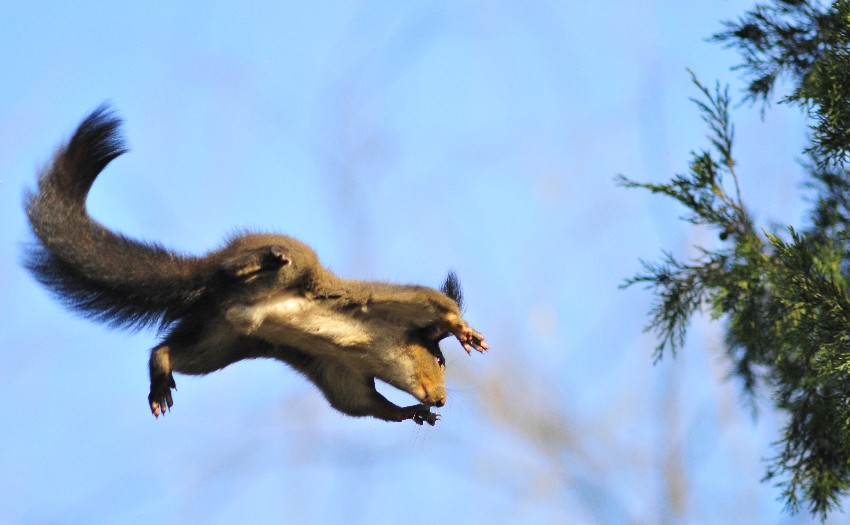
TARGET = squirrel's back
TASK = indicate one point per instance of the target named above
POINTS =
(102, 274)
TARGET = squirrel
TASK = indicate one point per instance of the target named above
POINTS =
(259, 296)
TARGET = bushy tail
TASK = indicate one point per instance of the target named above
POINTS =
(101, 274)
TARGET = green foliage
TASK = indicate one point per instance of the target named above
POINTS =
(776, 38)
(682, 287)
(810, 370)
(783, 298)
(808, 43)
(824, 88)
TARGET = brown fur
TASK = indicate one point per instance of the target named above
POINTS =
(261, 295)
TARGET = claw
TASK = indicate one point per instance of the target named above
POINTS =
(471, 340)
(421, 414)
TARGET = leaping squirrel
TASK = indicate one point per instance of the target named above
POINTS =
(260, 295)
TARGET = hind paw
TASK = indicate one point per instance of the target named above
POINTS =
(160, 396)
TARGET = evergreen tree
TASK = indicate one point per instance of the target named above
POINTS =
(782, 295)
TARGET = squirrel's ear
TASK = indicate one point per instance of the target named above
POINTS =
(255, 261)
(452, 288)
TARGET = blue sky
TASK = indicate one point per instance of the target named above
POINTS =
(399, 139)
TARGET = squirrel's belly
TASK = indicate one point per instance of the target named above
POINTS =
(305, 323)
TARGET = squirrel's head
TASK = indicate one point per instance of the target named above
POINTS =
(419, 369)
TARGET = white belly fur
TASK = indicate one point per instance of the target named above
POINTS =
(309, 325)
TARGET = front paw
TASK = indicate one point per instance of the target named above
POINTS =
(421, 414)
(470, 339)
(159, 398)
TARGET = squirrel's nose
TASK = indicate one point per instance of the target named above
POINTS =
(440, 402)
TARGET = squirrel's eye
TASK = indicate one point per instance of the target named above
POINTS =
(440, 360)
